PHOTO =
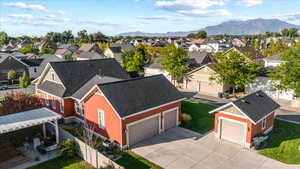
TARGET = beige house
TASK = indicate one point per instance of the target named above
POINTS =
(200, 80)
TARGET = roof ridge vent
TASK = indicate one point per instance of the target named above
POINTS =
(244, 101)
(259, 95)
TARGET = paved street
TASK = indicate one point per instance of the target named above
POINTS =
(179, 148)
(288, 115)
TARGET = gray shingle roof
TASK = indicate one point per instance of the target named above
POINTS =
(52, 87)
(79, 94)
(256, 105)
(75, 74)
(132, 96)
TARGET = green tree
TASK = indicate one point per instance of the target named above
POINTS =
(287, 75)
(4, 38)
(291, 32)
(83, 37)
(275, 48)
(174, 61)
(24, 80)
(235, 69)
(47, 50)
(133, 61)
(69, 57)
(11, 75)
(29, 49)
(200, 34)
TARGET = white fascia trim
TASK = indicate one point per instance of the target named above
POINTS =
(232, 114)
(153, 108)
(231, 104)
(47, 68)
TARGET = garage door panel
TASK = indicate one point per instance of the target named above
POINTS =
(232, 131)
(143, 130)
(170, 119)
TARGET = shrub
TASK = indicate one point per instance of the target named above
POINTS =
(68, 148)
(19, 102)
(185, 117)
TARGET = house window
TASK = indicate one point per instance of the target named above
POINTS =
(79, 108)
(101, 119)
(53, 103)
(52, 76)
(46, 99)
(35, 70)
(61, 106)
(264, 123)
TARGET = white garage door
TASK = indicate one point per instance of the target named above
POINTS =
(143, 130)
(210, 88)
(170, 119)
(232, 131)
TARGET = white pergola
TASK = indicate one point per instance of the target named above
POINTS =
(17, 121)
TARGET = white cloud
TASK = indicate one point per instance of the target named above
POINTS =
(199, 12)
(61, 12)
(163, 17)
(288, 16)
(188, 4)
(32, 7)
(51, 16)
(249, 3)
(194, 7)
(22, 16)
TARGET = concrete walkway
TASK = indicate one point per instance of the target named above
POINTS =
(180, 148)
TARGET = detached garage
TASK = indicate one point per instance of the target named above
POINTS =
(240, 121)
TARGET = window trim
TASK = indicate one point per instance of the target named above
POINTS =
(264, 123)
(52, 76)
(61, 105)
(79, 108)
(101, 126)
(53, 103)
(46, 99)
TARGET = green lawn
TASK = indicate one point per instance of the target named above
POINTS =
(284, 143)
(131, 160)
(201, 120)
(62, 163)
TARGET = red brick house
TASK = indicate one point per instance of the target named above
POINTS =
(129, 111)
(241, 120)
(100, 92)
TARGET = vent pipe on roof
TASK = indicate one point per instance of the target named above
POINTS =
(258, 94)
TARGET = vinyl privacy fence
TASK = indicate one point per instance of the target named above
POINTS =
(88, 153)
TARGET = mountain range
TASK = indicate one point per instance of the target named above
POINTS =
(234, 27)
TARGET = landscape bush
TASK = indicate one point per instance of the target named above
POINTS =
(68, 148)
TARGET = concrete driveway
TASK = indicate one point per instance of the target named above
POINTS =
(180, 148)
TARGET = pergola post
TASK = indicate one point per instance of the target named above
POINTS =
(44, 130)
(56, 132)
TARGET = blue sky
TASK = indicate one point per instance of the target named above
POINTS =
(36, 17)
